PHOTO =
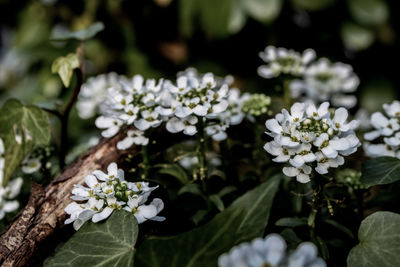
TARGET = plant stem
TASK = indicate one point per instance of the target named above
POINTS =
(201, 149)
(287, 100)
(65, 116)
(145, 158)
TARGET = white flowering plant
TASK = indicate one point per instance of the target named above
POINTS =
(279, 165)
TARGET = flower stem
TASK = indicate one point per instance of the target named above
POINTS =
(145, 158)
(201, 149)
(287, 100)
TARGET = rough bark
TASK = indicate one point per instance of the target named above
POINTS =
(43, 217)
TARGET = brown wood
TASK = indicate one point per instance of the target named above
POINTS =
(43, 217)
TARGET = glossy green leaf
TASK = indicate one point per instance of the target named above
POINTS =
(22, 129)
(382, 170)
(379, 236)
(369, 12)
(81, 35)
(65, 66)
(244, 220)
(108, 243)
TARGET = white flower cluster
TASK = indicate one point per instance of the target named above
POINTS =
(106, 192)
(194, 99)
(387, 127)
(10, 191)
(309, 137)
(94, 92)
(317, 81)
(323, 81)
(271, 251)
(283, 61)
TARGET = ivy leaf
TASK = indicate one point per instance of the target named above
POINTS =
(379, 236)
(22, 129)
(81, 35)
(244, 220)
(108, 243)
(174, 170)
(382, 170)
(64, 66)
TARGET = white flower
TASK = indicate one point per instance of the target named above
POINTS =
(7, 193)
(324, 81)
(108, 192)
(217, 131)
(310, 138)
(386, 130)
(149, 119)
(283, 61)
(93, 93)
(187, 125)
(111, 125)
(271, 251)
(31, 165)
(130, 114)
(133, 137)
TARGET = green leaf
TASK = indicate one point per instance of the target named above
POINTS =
(191, 189)
(108, 243)
(291, 222)
(217, 202)
(340, 227)
(312, 5)
(244, 220)
(356, 37)
(226, 190)
(382, 170)
(64, 66)
(22, 129)
(379, 236)
(263, 10)
(369, 12)
(81, 35)
(174, 170)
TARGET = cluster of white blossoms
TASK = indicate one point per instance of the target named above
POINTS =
(386, 130)
(94, 92)
(323, 81)
(283, 61)
(309, 137)
(271, 251)
(106, 192)
(10, 191)
(316, 81)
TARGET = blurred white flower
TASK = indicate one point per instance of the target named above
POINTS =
(133, 137)
(7, 193)
(93, 93)
(271, 251)
(326, 81)
(283, 61)
(386, 132)
(310, 138)
(31, 165)
(111, 125)
(106, 192)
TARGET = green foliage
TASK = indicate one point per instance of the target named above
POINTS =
(356, 37)
(175, 171)
(244, 220)
(22, 129)
(382, 170)
(291, 222)
(109, 243)
(313, 5)
(263, 10)
(369, 12)
(65, 66)
(81, 35)
(379, 236)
